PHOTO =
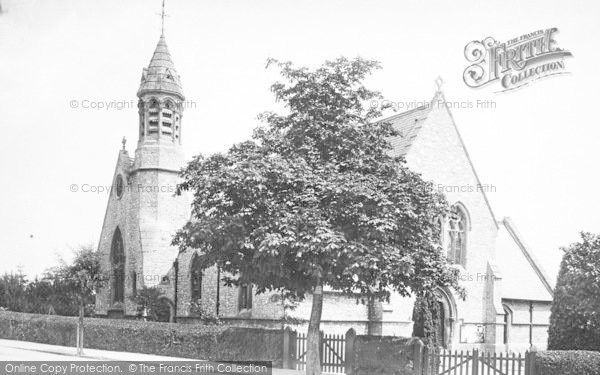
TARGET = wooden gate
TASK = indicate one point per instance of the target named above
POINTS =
(332, 350)
(475, 363)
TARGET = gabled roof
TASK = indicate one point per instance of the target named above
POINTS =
(522, 275)
(160, 75)
(409, 123)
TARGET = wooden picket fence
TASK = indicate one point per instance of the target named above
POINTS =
(333, 353)
(337, 358)
(476, 363)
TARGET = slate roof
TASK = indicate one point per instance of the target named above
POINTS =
(522, 276)
(408, 125)
(160, 75)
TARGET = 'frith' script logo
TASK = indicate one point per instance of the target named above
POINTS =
(515, 63)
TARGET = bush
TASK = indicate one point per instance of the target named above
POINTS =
(384, 355)
(149, 298)
(572, 362)
(195, 341)
(427, 320)
(575, 322)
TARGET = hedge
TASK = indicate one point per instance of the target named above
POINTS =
(567, 362)
(383, 355)
(574, 319)
(207, 342)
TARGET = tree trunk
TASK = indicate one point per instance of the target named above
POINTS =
(80, 330)
(313, 347)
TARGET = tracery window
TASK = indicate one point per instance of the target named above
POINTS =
(196, 279)
(456, 236)
(117, 261)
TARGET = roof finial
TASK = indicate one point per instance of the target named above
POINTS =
(439, 82)
(162, 17)
(124, 141)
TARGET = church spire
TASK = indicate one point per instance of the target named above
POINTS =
(160, 98)
(160, 76)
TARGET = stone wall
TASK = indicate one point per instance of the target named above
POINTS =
(383, 355)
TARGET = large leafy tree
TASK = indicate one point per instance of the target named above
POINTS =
(316, 199)
(575, 317)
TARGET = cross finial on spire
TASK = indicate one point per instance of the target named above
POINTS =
(124, 141)
(439, 82)
(162, 19)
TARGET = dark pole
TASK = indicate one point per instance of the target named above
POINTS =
(176, 269)
(218, 289)
(530, 324)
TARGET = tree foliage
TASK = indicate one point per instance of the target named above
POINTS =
(58, 291)
(316, 197)
(156, 308)
(427, 319)
(575, 317)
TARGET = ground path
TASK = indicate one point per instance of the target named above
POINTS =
(11, 350)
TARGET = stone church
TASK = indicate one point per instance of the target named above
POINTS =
(508, 295)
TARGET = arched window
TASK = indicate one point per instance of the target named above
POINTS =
(167, 118)
(456, 236)
(153, 117)
(119, 186)
(507, 324)
(117, 262)
(196, 279)
(245, 298)
(141, 112)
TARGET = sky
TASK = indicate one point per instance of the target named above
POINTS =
(538, 146)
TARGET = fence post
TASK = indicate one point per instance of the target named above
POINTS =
(418, 359)
(293, 349)
(349, 355)
(530, 369)
(286, 347)
(321, 342)
(426, 361)
(475, 362)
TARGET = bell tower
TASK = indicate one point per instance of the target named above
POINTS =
(160, 113)
(159, 158)
(143, 213)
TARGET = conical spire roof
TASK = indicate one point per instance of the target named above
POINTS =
(161, 76)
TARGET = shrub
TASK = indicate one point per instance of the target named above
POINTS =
(384, 355)
(196, 341)
(575, 322)
(205, 315)
(427, 320)
(573, 362)
(149, 298)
